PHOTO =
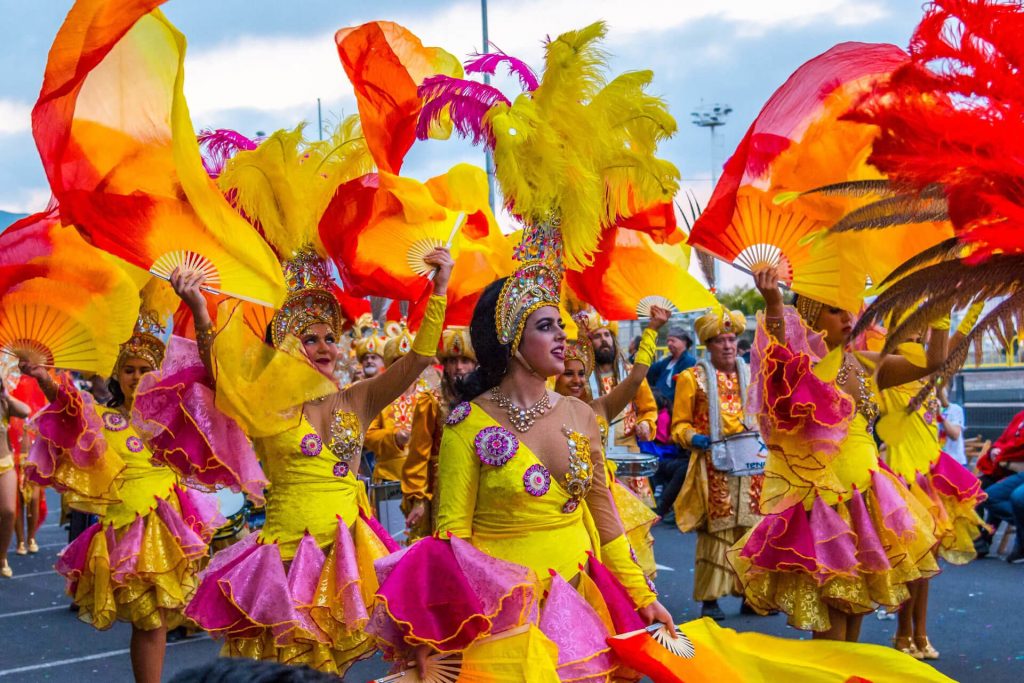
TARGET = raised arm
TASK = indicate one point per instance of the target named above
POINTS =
(372, 395)
(616, 400)
(187, 287)
(15, 408)
(767, 282)
(896, 370)
(42, 378)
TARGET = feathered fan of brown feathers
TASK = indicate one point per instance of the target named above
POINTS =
(704, 259)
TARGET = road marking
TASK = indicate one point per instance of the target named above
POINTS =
(30, 575)
(663, 568)
(34, 611)
(89, 658)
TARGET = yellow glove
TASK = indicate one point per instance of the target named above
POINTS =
(617, 557)
(970, 317)
(648, 346)
(941, 324)
(425, 343)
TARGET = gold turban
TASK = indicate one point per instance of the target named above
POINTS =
(722, 321)
(399, 342)
(455, 343)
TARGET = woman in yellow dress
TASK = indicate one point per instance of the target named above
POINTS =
(841, 534)
(298, 591)
(139, 562)
(9, 407)
(636, 517)
(910, 429)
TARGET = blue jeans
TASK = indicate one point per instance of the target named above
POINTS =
(1006, 502)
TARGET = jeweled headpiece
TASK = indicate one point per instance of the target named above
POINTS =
(581, 350)
(809, 309)
(594, 321)
(310, 300)
(145, 342)
(398, 341)
(455, 343)
(533, 286)
(723, 321)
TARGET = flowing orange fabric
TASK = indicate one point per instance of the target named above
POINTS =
(386, 64)
(629, 268)
(117, 144)
(62, 302)
(374, 222)
(799, 142)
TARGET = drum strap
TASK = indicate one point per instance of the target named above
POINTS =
(714, 405)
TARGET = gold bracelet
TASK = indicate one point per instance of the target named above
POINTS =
(205, 337)
(775, 323)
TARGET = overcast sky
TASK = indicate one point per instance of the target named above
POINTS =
(260, 65)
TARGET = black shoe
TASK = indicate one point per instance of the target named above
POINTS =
(669, 518)
(982, 547)
(747, 609)
(710, 608)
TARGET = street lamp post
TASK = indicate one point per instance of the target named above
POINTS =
(711, 117)
(488, 157)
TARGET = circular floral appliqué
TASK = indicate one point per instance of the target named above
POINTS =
(341, 469)
(495, 445)
(570, 505)
(115, 422)
(459, 413)
(134, 444)
(537, 480)
(311, 445)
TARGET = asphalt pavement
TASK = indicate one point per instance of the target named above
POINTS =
(976, 621)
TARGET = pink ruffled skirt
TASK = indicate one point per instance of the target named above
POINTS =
(852, 557)
(311, 610)
(145, 572)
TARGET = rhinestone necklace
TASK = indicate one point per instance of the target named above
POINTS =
(521, 418)
(865, 400)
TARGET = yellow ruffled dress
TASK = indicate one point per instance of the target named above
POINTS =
(840, 529)
(139, 562)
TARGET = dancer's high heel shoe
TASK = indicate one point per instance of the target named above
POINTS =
(33, 547)
(20, 550)
(924, 646)
(905, 644)
(6, 571)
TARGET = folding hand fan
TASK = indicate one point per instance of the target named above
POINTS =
(440, 668)
(655, 651)
(630, 273)
(118, 147)
(798, 141)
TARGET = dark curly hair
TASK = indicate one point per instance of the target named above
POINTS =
(493, 356)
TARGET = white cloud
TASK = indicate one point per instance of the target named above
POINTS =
(15, 117)
(287, 74)
(268, 74)
(27, 200)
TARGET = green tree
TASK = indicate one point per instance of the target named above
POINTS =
(743, 298)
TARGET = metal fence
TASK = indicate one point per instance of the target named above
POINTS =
(990, 396)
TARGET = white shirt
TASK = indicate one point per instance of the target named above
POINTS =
(954, 448)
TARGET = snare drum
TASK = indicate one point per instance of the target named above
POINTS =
(232, 506)
(634, 464)
(739, 454)
(633, 470)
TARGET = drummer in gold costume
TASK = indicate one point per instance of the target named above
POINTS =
(720, 507)
(636, 517)
(419, 473)
(639, 420)
(388, 435)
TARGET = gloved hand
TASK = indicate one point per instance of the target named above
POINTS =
(700, 442)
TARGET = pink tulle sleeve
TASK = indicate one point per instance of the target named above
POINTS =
(70, 453)
(803, 419)
(175, 410)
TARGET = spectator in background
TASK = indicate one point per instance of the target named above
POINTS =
(1002, 470)
(662, 375)
(743, 349)
(951, 428)
(634, 345)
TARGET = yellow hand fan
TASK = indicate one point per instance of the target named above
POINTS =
(630, 273)
(48, 322)
(440, 668)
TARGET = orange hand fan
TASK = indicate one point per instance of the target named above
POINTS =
(630, 273)
(120, 152)
(798, 142)
(378, 228)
